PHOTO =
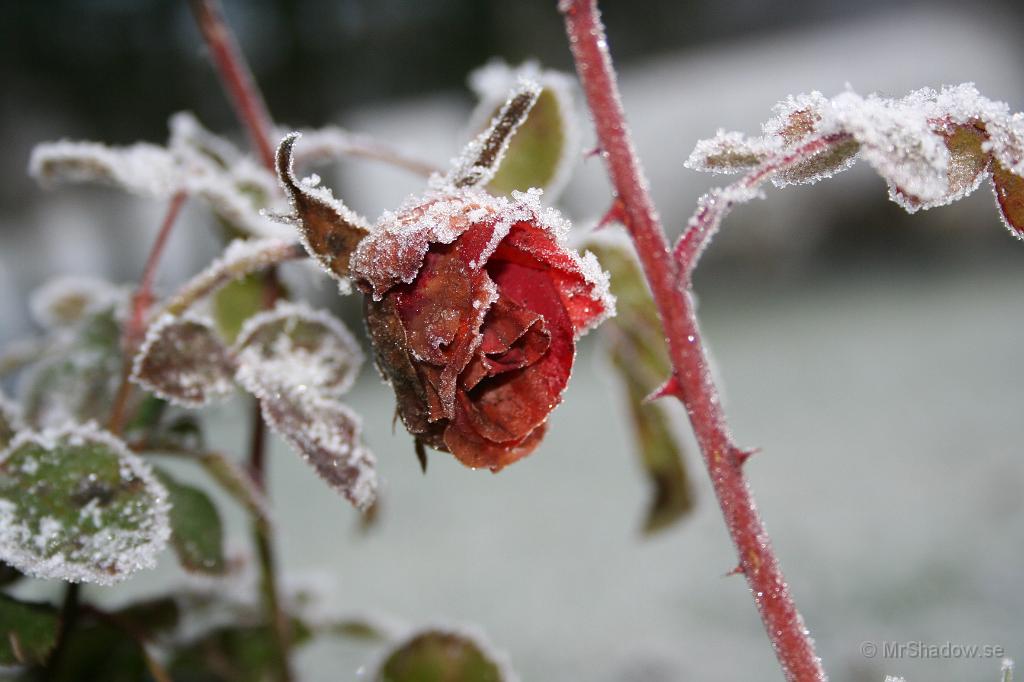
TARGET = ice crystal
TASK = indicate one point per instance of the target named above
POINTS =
(66, 300)
(77, 505)
(931, 147)
(294, 345)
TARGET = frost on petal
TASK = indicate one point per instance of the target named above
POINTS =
(1009, 188)
(77, 505)
(183, 361)
(479, 161)
(444, 652)
(544, 149)
(329, 230)
(66, 300)
(729, 152)
(326, 434)
(297, 347)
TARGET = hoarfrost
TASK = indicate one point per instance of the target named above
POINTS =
(77, 505)
(296, 346)
(479, 160)
(492, 82)
(931, 147)
(195, 161)
(67, 299)
(452, 637)
(183, 361)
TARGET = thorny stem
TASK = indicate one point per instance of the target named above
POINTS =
(140, 305)
(691, 380)
(252, 111)
(236, 77)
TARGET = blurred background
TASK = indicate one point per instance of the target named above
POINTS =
(873, 355)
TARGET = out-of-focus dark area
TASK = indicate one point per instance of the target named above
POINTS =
(870, 352)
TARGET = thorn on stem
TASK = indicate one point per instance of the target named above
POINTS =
(671, 387)
(741, 456)
(738, 570)
(593, 151)
(615, 214)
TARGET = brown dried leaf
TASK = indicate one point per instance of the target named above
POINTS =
(1010, 196)
(182, 360)
(329, 230)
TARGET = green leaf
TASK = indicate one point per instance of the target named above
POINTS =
(536, 153)
(77, 505)
(152, 616)
(28, 632)
(441, 656)
(236, 302)
(637, 350)
(77, 382)
(197, 533)
(99, 651)
(233, 653)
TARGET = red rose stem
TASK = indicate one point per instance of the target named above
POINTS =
(691, 381)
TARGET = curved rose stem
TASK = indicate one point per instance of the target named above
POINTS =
(691, 381)
(236, 77)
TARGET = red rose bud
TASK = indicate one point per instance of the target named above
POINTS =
(474, 306)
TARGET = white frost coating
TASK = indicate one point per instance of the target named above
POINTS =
(465, 164)
(1006, 670)
(729, 152)
(103, 556)
(492, 82)
(10, 412)
(66, 299)
(191, 382)
(903, 139)
(472, 633)
(194, 161)
(328, 369)
(241, 257)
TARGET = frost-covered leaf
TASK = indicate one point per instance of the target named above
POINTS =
(183, 360)
(77, 505)
(480, 159)
(1009, 189)
(28, 632)
(326, 434)
(729, 152)
(241, 258)
(68, 299)
(931, 147)
(637, 348)
(10, 420)
(296, 346)
(77, 381)
(542, 151)
(236, 302)
(195, 162)
(197, 534)
(443, 655)
(329, 230)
